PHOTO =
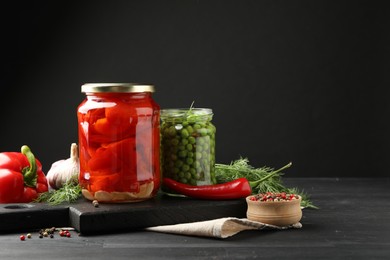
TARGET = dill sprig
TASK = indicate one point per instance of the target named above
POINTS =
(241, 168)
(68, 193)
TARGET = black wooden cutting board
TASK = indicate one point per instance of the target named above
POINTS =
(87, 219)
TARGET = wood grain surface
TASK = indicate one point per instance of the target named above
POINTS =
(352, 223)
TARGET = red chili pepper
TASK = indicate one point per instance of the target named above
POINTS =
(21, 177)
(239, 188)
(236, 189)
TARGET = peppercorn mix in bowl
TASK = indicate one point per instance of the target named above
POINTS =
(279, 209)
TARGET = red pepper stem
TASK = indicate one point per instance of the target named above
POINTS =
(29, 172)
(255, 183)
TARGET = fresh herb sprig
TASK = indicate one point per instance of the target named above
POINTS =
(194, 115)
(241, 168)
(68, 193)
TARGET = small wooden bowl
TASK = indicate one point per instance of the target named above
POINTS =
(278, 213)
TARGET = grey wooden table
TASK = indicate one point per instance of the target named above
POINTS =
(353, 222)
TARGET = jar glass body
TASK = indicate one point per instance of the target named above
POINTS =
(188, 146)
(119, 137)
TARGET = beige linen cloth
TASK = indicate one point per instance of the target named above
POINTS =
(218, 228)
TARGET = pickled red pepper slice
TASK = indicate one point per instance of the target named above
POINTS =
(119, 120)
(117, 159)
(107, 183)
(123, 114)
(103, 127)
(133, 167)
(111, 124)
(114, 156)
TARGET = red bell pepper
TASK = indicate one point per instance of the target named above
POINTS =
(21, 177)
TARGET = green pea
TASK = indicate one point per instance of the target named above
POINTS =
(183, 180)
(190, 154)
(189, 147)
(198, 155)
(202, 131)
(190, 129)
(182, 154)
(166, 132)
(187, 175)
(189, 161)
(178, 163)
(191, 140)
(184, 133)
(175, 141)
(210, 129)
(185, 167)
(184, 141)
(172, 131)
(181, 174)
(197, 165)
(182, 147)
(197, 176)
(197, 126)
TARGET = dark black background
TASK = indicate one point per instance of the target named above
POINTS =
(300, 81)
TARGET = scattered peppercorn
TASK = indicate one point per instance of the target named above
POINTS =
(49, 232)
(95, 203)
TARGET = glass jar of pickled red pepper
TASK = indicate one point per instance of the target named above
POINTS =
(188, 146)
(119, 142)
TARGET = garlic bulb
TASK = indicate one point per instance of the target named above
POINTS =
(63, 171)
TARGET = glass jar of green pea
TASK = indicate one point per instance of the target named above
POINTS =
(188, 145)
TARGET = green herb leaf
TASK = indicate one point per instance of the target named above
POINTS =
(68, 193)
(241, 168)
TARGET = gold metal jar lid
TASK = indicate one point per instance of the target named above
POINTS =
(116, 87)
